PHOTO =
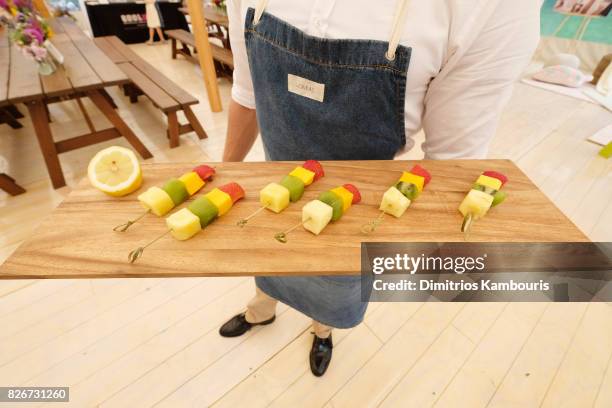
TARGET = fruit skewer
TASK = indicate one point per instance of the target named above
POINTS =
(330, 206)
(160, 201)
(398, 197)
(485, 193)
(188, 221)
(277, 196)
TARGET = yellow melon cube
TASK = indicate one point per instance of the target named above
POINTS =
(489, 182)
(418, 181)
(476, 203)
(347, 197)
(220, 199)
(303, 174)
(274, 197)
(192, 181)
(156, 200)
(316, 215)
(183, 224)
(394, 202)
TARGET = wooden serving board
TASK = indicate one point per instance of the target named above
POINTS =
(77, 240)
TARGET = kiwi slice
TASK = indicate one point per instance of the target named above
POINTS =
(176, 190)
(484, 189)
(498, 198)
(334, 201)
(295, 187)
(204, 209)
(409, 190)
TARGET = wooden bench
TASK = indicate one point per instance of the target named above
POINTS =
(9, 114)
(165, 94)
(224, 60)
(8, 184)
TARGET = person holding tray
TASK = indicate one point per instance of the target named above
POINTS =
(355, 80)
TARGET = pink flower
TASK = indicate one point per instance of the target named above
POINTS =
(35, 33)
(39, 53)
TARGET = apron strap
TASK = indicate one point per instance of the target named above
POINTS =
(259, 9)
(398, 24)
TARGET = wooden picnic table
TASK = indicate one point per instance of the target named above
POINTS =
(7, 183)
(78, 241)
(214, 19)
(211, 14)
(85, 73)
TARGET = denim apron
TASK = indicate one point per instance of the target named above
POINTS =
(358, 115)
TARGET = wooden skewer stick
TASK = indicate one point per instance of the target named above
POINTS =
(135, 254)
(124, 227)
(467, 225)
(243, 221)
(282, 236)
(372, 225)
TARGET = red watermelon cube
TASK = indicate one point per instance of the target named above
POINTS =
(420, 171)
(205, 172)
(496, 175)
(315, 167)
(233, 190)
(355, 191)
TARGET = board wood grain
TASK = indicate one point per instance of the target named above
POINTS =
(77, 240)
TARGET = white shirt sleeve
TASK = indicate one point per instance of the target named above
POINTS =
(242, 88)
(463, 103)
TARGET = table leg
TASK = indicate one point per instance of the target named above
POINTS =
(10, 186)
(194, 122)
(7, 117)
(109, 98)
(173, 129)
(40, 121)
(102, 103)
(14, 111)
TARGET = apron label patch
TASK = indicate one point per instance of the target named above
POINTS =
(305, 87)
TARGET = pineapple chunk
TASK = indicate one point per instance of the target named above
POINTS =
(303, 174)
(418, 181)
(220, 199)
(476, 203)
(316, 215)
(492, 182)
(394, 202)
(157, 201)
(274, 197)
(347, 197)
(183, 224)
(193, 182)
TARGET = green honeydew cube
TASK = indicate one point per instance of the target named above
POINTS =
(295, 187)
(335, 202)
(176, 190)
(409, 190)
(204, 209)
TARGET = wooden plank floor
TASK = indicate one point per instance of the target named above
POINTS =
(154, 342)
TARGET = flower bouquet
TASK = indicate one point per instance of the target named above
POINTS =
(30, 33)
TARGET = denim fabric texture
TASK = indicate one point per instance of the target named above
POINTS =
(361, 118)
(362, 114)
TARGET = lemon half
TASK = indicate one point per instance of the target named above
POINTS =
(115, 171)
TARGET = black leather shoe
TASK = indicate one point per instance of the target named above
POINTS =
(237, 326)
(320, 355)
